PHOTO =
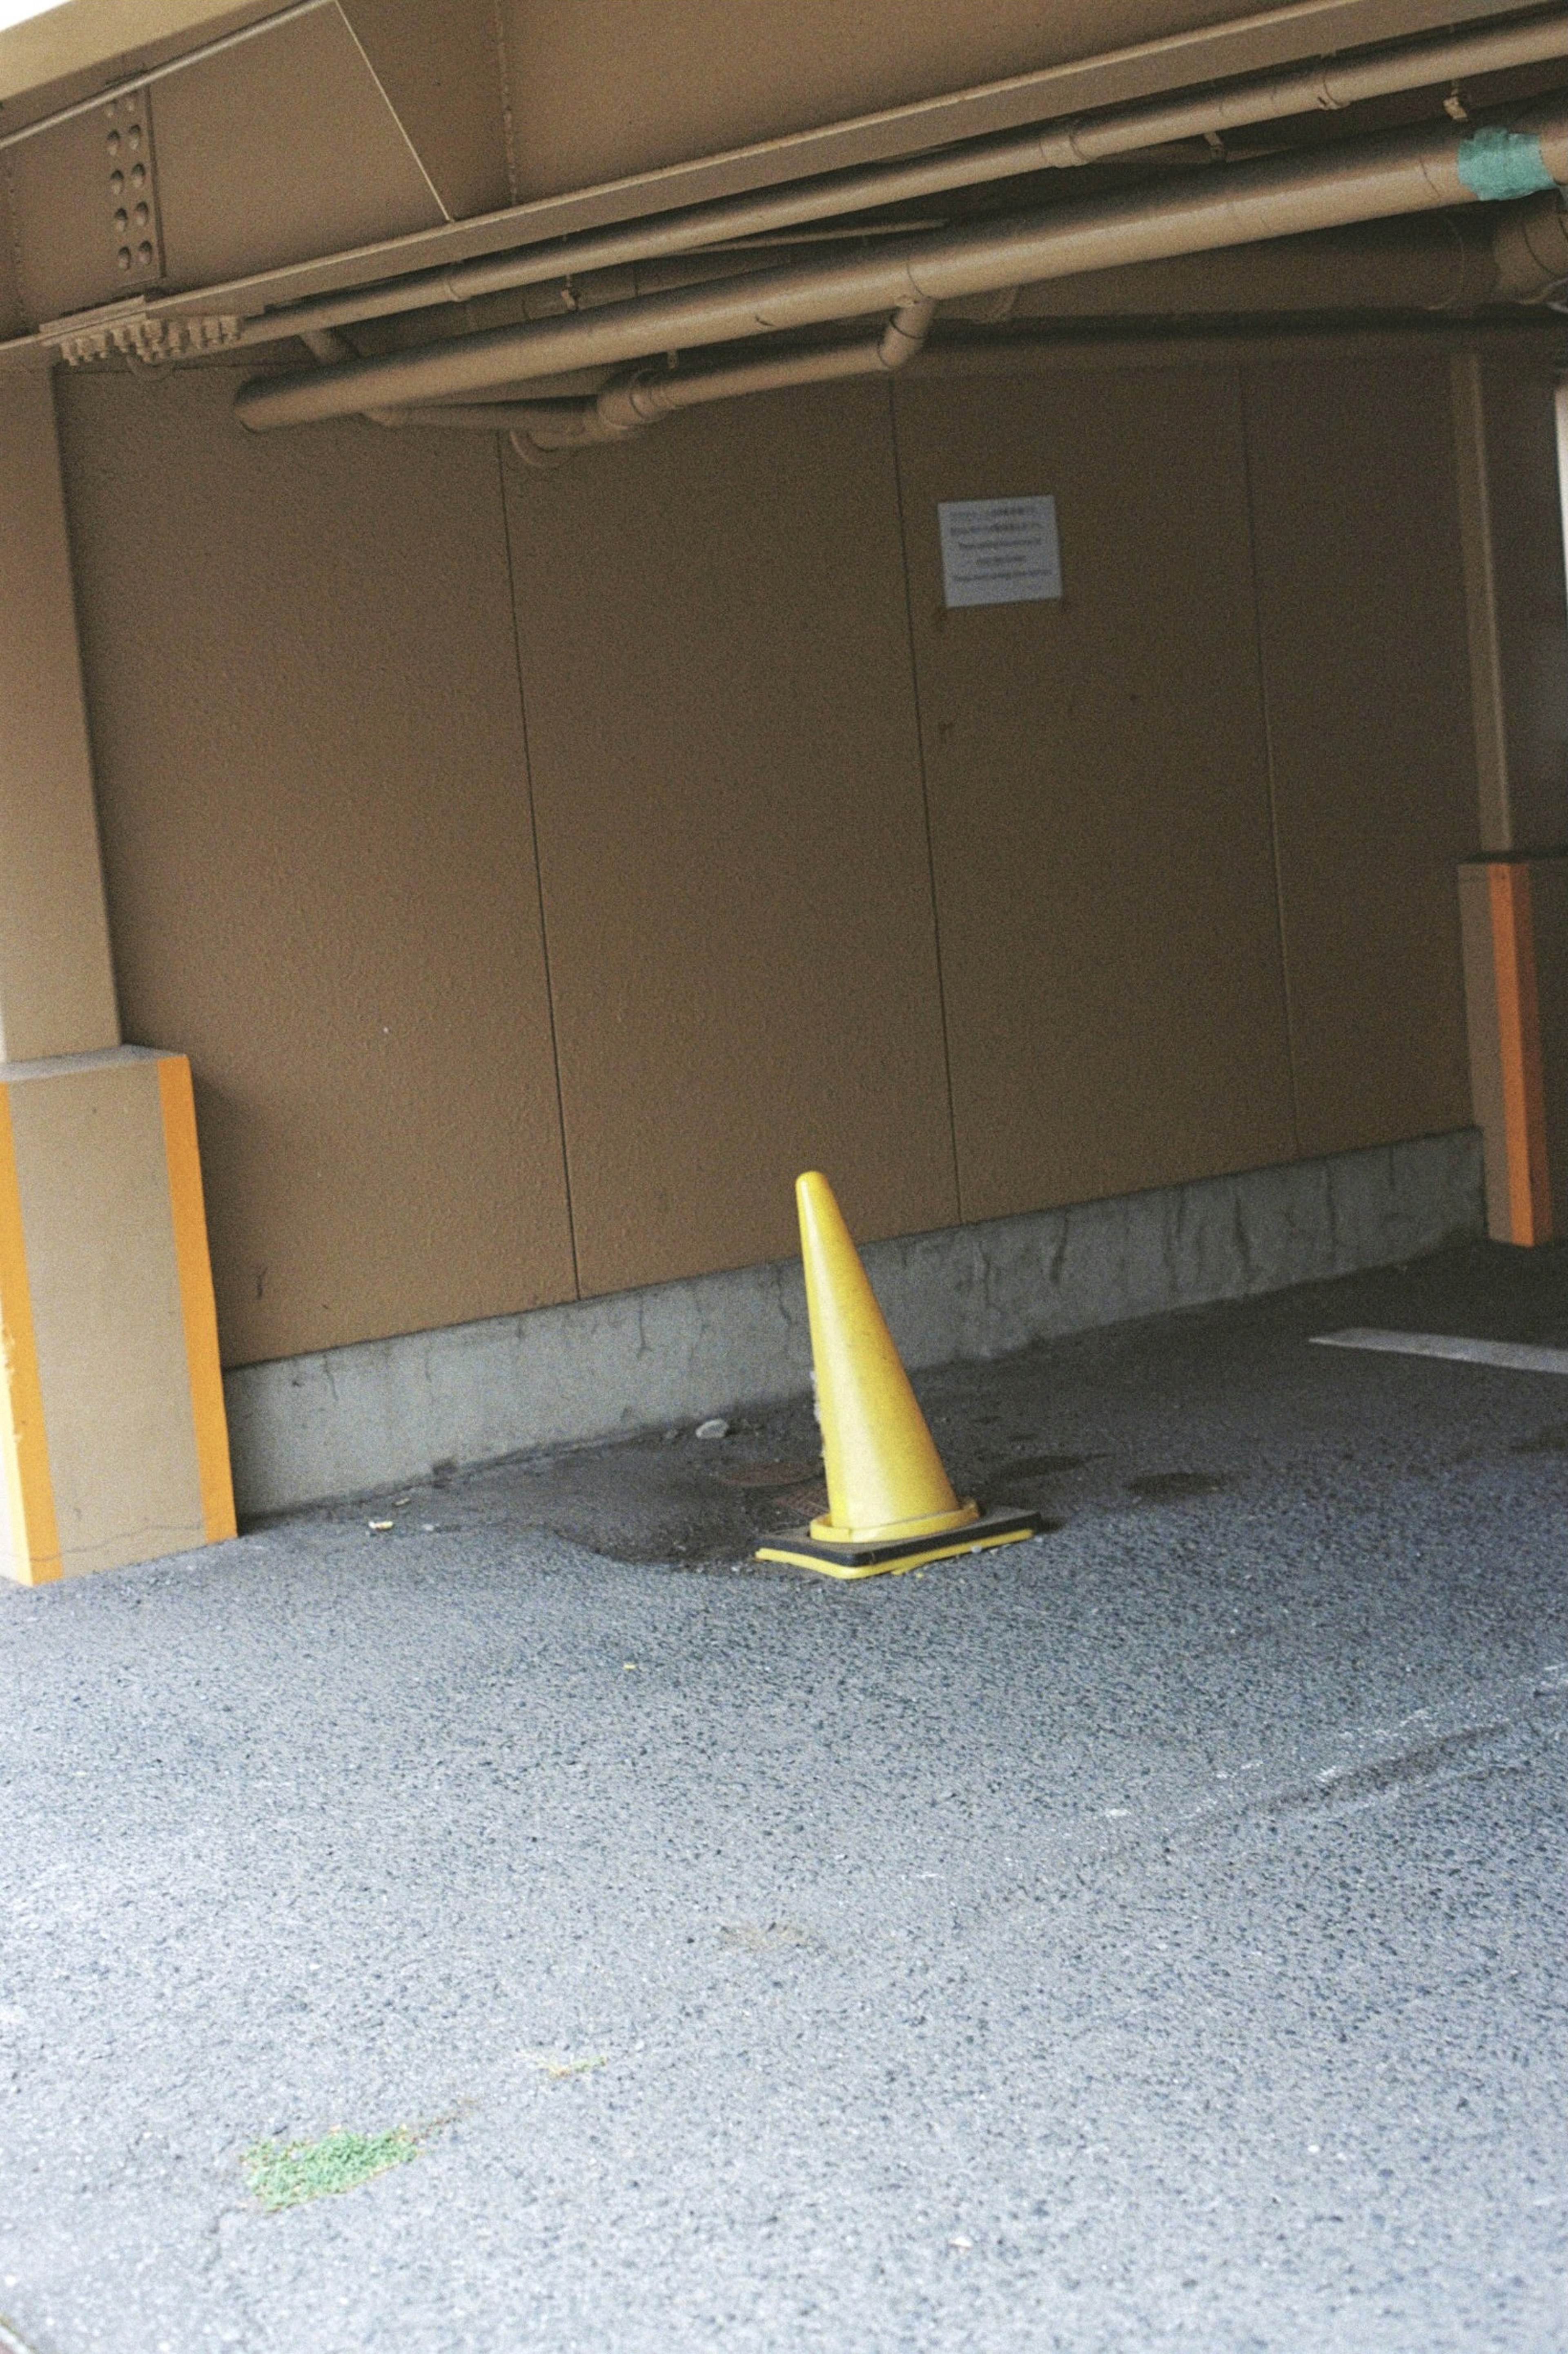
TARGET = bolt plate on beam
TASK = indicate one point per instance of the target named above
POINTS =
(84, 200)
(131, 188)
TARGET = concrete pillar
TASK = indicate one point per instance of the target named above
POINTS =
(1513, 899)
(114, 1447)
(1514, 913)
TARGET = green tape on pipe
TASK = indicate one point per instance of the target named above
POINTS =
(1497, 165)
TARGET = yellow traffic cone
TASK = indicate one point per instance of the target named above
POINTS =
(890, 1503)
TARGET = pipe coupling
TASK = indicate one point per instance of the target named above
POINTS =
(1529, 250)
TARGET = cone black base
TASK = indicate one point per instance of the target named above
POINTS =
(995, 1528)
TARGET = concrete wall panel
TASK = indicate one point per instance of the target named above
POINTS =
(1362, 615)
(1506, 424)
(308, 742)
(1099, 787)
(57, 982)
(731, 834)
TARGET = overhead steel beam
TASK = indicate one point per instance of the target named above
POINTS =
(1262, 43)
(1118, 131)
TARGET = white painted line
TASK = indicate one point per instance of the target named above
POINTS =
(1514, 1356)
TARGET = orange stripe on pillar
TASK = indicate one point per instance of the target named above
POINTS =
(24, 1440)
(1518, 1044)
(197, 1307)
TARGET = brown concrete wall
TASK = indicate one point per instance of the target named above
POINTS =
(1362, 623)
(443, 800)
(726, 774)
(1099, 793)
(56, 986)
(317, 854)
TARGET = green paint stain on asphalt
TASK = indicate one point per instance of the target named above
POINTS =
(285, 2174)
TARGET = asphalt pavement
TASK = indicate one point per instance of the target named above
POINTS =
(1149, 1937)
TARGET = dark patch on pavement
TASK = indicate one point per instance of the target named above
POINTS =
(1044, 1467)
(1408, 1769)
(1553, 1441)
(1174, 1487)
(804, 1470)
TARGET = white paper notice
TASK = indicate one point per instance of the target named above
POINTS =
(1000, 551)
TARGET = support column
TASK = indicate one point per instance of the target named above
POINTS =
(1514, 913)
(1513, 899)
(114, 1447)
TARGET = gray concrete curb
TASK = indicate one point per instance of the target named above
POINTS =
(305, 1429)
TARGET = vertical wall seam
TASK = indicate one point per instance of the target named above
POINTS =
(925, 798)
(84, 700)
(23, 1437)
(538, 868)
(1494, 814)
(198, 1308)
(1286, 990)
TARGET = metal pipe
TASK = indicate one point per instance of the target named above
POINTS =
(1325, 86)
(645, 397)
(326, 344)
(1529, 252)
(1062, 145)
(543, 428)
(1418, 171)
